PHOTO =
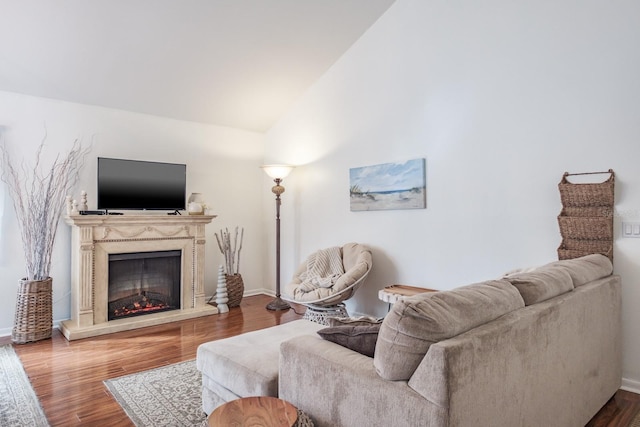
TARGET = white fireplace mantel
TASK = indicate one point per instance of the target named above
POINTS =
(94, 237)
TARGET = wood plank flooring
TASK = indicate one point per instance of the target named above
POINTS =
(67, 376)
(619, 410)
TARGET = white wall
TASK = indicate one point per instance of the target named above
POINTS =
(501, 98)
(222, 163)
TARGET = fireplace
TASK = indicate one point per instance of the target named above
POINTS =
(162, 272)
(143, 283)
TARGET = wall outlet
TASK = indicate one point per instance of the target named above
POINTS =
(631, 229)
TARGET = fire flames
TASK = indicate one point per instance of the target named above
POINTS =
(140, 306)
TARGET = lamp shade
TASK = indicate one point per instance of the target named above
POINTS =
(278, 171)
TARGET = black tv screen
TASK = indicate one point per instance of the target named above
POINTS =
(135, 184)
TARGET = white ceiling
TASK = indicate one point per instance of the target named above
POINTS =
(238, 63)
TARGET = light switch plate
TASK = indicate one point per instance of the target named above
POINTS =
(631, 229)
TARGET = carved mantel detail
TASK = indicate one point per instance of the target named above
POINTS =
(133, 232)
(94, 237)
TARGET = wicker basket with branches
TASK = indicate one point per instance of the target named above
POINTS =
(231, 251)
(38, 195)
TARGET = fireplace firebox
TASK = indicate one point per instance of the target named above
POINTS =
(143, 283)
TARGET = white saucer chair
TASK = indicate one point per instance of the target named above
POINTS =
(328, 278)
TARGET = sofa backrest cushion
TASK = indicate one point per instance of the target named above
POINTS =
(542, 284)
(587, 268)
(415, 323)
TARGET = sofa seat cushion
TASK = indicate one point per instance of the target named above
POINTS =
(415, 323)
(587, 268)
(247, 364)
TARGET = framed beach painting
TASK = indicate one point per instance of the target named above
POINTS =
(389, 186)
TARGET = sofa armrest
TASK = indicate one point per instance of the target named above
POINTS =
(339, 387)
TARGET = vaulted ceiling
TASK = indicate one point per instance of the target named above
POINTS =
(238, 63)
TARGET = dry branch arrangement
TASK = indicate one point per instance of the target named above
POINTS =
(38, 195)
(231, 252)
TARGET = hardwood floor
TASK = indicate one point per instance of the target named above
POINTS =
(67, 376)
(619, 410)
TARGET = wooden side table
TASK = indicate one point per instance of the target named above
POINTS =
(394, 293)
(264, 411)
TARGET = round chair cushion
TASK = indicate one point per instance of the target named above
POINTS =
(356, 259)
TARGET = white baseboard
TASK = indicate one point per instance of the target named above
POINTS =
(630, 385)
(251, 293)
(260, 292)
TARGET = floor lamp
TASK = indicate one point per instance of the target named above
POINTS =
(278, 173)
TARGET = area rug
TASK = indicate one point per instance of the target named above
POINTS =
(636, 421)
(166, 396)
(19, 405)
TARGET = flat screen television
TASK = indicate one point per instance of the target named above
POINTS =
(141, 185)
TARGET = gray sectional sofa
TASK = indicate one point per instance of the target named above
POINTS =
(534, 348)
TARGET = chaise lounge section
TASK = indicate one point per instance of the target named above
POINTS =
(245, 365)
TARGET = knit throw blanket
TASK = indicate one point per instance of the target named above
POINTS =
(324, 267)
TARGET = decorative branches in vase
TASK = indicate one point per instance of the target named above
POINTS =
(38, 195)
(231, 251)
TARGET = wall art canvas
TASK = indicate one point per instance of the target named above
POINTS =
(389, 186)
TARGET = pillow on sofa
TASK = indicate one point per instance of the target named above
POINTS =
(415, 323)
(542, 283)
(352, 321)
(587, 268)
(357, 338)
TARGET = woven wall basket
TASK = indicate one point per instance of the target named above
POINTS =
(587, 194)
(34, 316)
(586, 219)
(572, 248)
(586, 228)
(235, 289)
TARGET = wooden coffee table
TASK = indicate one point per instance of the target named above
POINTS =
(254, 411)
